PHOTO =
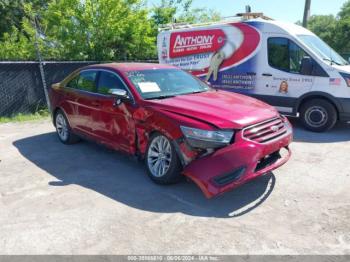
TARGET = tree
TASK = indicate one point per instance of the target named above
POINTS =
(16, 46)
(87, 30)
(180, 11)
(324, 26)
(342, 32)
(100, 30)
(13, 11)
(333, 30)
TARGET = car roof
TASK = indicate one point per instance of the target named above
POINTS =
(126, 67)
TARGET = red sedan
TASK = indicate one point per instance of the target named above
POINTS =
(174, 121)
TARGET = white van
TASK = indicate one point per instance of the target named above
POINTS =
(280, 63)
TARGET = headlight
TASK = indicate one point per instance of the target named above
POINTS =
(346, 78)
(206, 138)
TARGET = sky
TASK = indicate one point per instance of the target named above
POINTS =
(290, 10)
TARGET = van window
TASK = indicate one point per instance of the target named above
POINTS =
(109, 81)
(278, 49)
(285, 55)
(296, 55)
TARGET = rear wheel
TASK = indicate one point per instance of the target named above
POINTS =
(318, 115)
(63, 129)
(162, 162)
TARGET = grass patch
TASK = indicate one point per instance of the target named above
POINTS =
(41, 114)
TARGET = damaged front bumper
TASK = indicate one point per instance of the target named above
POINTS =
(237, 163)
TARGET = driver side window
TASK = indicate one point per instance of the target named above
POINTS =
(108, 81)
(285, 55)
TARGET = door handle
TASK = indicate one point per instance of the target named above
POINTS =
(96, 103)
(266, 74)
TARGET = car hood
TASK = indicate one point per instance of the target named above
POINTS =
(220, 108)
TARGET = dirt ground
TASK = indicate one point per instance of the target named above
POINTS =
(86, 199)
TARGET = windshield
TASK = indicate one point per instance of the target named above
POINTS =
(323, 50)
(164, 83)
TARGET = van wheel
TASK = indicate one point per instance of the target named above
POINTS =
(162, 161)
(318, 115)
(63, 129)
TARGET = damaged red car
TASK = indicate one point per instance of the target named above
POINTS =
(174, 121)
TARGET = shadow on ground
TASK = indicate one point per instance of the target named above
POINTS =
(124, 179)
(340, 133)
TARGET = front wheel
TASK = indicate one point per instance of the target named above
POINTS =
(162, 161)
(318, 115)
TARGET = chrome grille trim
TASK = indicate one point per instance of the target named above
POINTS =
(266, 131)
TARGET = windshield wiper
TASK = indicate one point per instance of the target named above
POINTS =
(331, 60)
(200, 91)
(194, 92)
(160, 97)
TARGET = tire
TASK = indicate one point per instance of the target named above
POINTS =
(63, 130)
(164, 167)
(318, 115)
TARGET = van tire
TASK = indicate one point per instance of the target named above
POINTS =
(172, 174)
(318, 115)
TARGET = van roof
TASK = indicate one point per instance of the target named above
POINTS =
(272, 26)
(281, 26)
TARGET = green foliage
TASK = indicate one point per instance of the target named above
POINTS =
(100, 30)
(15, 45)
(200, 15)
(333, 30)
(324, 26)
(97, 30)
(342, 33)
(180, 11)
(39, 115)
(13, 11)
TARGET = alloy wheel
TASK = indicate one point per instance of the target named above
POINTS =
(159, 156)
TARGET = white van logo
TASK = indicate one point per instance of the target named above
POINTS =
(196, 42)
(189, 41)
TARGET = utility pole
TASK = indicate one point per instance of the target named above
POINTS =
(41, 64)
(306, 12)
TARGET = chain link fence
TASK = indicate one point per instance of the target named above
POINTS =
(22, 84)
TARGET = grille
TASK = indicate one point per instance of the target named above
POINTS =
(265, 131)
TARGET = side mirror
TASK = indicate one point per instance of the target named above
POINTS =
(307, 66)
(120, 95)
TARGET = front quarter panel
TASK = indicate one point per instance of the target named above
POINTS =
(149, 120)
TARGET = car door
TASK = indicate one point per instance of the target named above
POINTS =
(113, 124)
(282, 79)
(81, 99)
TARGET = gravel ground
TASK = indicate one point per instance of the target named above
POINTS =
(86, 199)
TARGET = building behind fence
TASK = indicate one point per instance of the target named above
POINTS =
(21, 86)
